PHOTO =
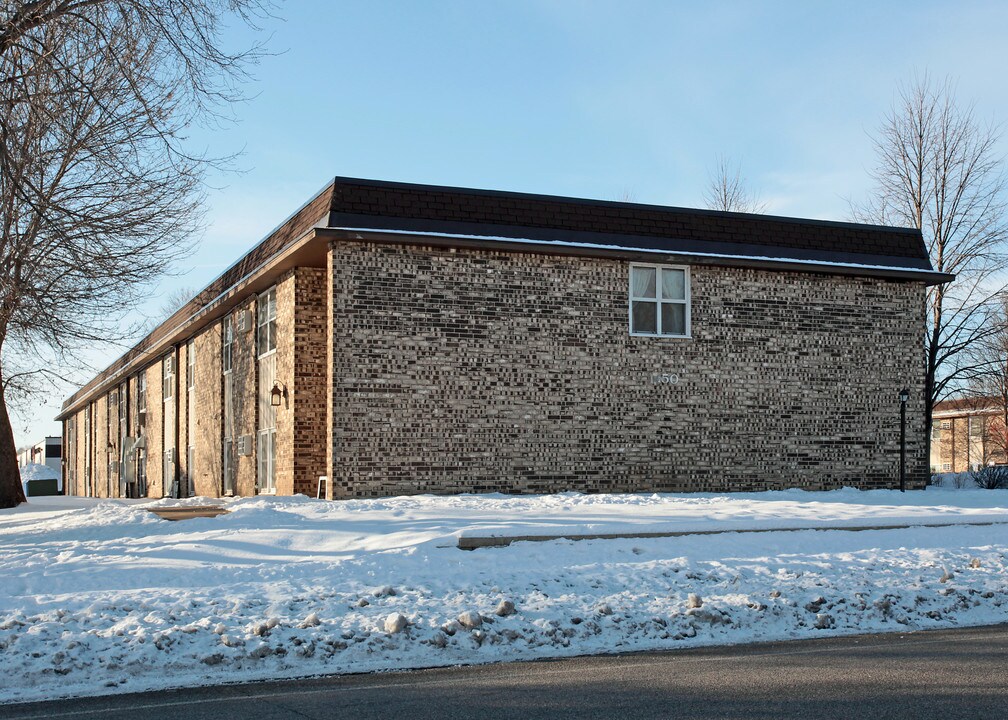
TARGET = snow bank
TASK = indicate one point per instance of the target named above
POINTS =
(34, 471)
(102, 597)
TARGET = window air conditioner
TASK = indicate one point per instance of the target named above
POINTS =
(244, 445)
(243, 321)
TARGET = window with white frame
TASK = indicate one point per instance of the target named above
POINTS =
(190, 365)
(659, 300)
(266, 454)
(142, 392)
(946, 467)
(168, 375)
(227, 346)
(267, 322)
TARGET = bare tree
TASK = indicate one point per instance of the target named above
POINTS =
(938, 170)
(987, 378)
(727, 190)
(99, 193)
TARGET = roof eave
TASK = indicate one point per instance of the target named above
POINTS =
(584, 249)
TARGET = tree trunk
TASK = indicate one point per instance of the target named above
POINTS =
(11, 491)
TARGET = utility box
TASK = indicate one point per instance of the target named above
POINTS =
(39, 488)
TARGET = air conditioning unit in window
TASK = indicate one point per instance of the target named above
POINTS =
(243, 321)
(170, 363)
(244, 445)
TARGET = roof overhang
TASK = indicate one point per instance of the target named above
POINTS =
(308, 251)
(720, 254)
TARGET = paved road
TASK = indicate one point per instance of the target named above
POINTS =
(943, 674)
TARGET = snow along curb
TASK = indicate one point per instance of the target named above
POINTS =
(467, 542)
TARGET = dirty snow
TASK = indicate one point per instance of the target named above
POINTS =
(102, 596)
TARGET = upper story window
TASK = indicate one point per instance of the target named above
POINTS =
(142, 391)
(227, 346)
(168, 374)
(190, 368)
(267, 322)
(659, 300)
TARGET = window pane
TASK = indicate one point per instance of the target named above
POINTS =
(643, 283)
(673, 284)
(645, 317)
(673, 319)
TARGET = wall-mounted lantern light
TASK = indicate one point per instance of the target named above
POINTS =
(277, 394)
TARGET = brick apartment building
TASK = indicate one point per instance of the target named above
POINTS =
(967, 433)
(400, 338)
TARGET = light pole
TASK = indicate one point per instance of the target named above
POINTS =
(903, 396)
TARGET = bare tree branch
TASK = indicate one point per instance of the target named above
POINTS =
(99, 189)
(726, 190)
(938, 170)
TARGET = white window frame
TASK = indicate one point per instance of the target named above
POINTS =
(658, 300)
(142, 392)
(266, 459)
(227, 345)
(266, 318)
(190, 365)
(168, 377)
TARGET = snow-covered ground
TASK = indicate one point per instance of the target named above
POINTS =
(102, 596)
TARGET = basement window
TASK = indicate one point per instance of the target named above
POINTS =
(660, 300)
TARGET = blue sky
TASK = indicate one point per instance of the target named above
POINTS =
(591, 99)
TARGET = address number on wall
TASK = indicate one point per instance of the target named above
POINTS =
(669, 378)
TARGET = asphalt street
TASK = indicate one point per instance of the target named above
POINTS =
(941, 674)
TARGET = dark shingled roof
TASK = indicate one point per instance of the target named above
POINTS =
(403, 207)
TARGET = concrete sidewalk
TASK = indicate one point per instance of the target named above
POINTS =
(472, 542)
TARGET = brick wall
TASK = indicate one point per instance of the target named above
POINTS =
(286, 350)
(101, 467)
(330, 375)
(155, 430)
(309, 387)
(208, 476)
(182, 408)
(80, 487)
(245, 374)
(483, 371)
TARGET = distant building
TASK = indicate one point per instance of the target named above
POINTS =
(967, 433)
(399, 339)
(48, 452)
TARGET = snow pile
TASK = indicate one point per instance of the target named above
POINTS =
(34, 471)
(104, 597)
